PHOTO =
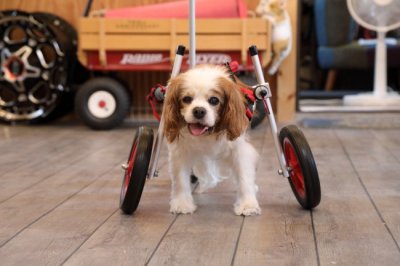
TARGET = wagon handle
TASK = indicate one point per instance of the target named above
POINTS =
(88, 7)
(192, 33)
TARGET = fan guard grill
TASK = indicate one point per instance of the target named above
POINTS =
(377, 15)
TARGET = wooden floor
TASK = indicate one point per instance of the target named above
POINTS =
(59, 196)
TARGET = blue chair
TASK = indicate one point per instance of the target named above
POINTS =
(337, 47)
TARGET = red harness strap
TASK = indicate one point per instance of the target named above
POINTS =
(249, 95)
(152, 99)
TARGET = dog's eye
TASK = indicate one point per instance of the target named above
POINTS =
(187, 99)
(213, 101)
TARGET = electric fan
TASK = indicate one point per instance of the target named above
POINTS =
(380, 16)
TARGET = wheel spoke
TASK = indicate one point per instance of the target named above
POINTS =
(32, 72)
(19, 87)
(57, 48)
(36, 36)
(24, 52)
(39, 94)
(42, 59)
(4, 54)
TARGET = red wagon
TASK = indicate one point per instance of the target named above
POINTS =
(145, 39)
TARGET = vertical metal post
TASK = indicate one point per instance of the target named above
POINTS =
(380, 75)
(192, 33)
(155, 154)
(87, 9)
(271, 117)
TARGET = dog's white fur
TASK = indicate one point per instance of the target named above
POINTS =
(221, 152)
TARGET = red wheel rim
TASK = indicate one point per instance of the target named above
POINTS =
(128, 172)
(296, 174)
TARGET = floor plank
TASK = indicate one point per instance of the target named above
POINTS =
(348, 229)
(37, 201)
(125, 239)
(378, 170)
(51, 157)
(282, 235)
(20, 145)
(53, 238)
(390, 140)
(67, 210)
(203, 237)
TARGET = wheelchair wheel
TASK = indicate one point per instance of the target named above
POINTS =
(303, 178)
(136, 170)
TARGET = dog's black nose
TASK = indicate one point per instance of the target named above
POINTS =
(199, 112)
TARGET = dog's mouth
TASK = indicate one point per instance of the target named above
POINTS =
(197, 129)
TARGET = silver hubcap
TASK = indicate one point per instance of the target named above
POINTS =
(102, 104)
(31, 63)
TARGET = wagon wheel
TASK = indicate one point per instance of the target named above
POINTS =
(102, 103)
(303, 179)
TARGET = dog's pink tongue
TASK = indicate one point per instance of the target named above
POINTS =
(197, 129)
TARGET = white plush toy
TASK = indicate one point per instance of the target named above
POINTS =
(275, 11)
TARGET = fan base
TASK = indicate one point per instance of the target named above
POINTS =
(369, 99)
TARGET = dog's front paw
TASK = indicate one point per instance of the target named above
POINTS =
(247, 208)
(182, 205)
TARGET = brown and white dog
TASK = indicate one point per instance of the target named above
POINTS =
(205, 125)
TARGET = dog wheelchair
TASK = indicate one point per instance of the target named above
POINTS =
(295, 157)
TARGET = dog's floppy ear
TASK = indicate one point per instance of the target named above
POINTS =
(233, 119)
(171, 111)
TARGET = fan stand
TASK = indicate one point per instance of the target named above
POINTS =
(380, 97)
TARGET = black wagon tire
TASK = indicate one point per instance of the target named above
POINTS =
(102, 103)
(304, 178)
(136, 170)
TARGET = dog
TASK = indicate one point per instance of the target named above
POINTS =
(205, 124)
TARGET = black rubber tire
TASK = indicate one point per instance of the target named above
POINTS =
(56, 81)
(137, 170)
(65, 32)
(118, 92)
(291, 138)
(67, 38)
